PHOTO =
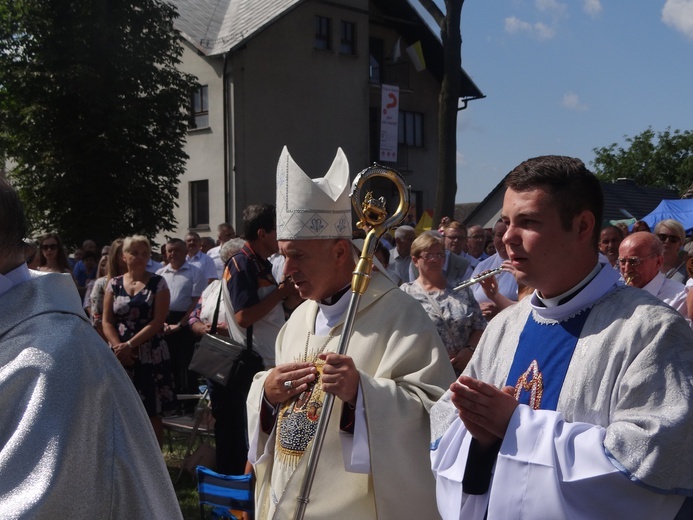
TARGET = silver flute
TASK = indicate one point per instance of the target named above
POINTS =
(476, 279)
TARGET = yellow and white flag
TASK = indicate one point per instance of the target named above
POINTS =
(415, 52)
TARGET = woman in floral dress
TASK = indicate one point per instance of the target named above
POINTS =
(456, 314)
(134, 310)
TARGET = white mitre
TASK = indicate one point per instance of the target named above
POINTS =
(313, 208)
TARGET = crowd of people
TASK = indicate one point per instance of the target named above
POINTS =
(537, 391)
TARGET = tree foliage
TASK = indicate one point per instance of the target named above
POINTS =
(663, 159)
(94, 114)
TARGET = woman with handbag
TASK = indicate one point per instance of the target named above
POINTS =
(456, 314)
(134, 310)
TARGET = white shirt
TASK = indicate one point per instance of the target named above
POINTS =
(671, 292)
(215, 255)
(205, 264)
(399, 267)
(185, 284)
(153, 266)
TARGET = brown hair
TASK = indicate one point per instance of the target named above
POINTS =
(116, 250)
(572, 187)
(61, 259)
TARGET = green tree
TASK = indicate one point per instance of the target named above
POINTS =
(663, 159)
(448, 106)
(94, 114)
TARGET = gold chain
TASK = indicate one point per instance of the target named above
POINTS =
(305, 354)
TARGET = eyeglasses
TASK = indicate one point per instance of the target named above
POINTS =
(46, 247)
(477, 237)
(634, 260)
(455, 237)
(668, 238)
(428, 257)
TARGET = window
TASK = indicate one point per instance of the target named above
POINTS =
(199, 204)
(375, 59)
(322, 33)
(410, 129)
(347, 44)
(200, 108)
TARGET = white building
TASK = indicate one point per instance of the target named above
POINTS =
(306, 74)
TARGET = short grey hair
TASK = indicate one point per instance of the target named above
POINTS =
(405, 232)
(230, 248)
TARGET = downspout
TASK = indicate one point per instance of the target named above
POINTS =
(229, 170)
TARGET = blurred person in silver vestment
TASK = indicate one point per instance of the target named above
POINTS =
(75, 441)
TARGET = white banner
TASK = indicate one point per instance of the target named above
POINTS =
(389, 120)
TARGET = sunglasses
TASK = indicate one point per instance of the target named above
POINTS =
(46, 247)
(668, 238)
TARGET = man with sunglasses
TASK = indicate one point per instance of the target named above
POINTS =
(640, 258)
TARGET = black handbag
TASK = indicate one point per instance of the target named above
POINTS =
(245, 367)
(221, 359)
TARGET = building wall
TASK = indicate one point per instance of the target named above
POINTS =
(284, 92)
(287, 93)
(204, 146)
(419, 95)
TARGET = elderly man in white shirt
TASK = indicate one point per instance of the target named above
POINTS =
(640, 258)
(186, 283)
(196, 257)
(400, 257)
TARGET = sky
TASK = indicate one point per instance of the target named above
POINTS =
(565, 77)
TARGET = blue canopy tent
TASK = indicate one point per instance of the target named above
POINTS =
(678, 209)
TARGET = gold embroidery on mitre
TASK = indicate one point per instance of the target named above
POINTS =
(298, 420)
(533, 382)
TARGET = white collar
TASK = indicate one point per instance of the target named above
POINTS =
(599, 282)
(555, 301)
(16, 276)
(329, 315)
(655, 285)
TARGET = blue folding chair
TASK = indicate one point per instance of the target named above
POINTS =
(224, 493)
